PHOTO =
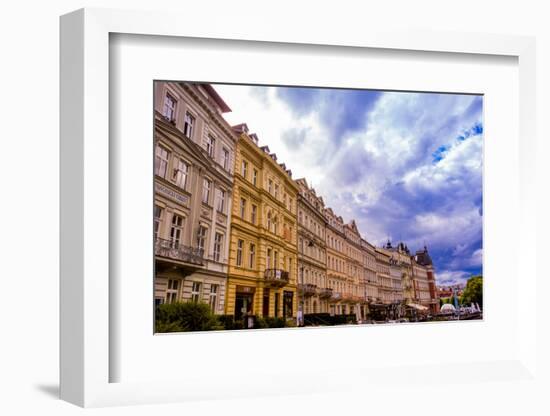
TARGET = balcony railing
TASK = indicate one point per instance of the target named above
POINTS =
(276, 277)
(325, 293)
(346, 297)
(307, 289)
(174, 250)
(336, 296)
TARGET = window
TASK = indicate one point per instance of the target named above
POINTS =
(213, 301)
(268, 260)
(172, 291)
(269, 186)
(244, 168)
(275, 226)
(169, 109)
(290, 204)
(188, 125)
(276, 191)
(252, 256)
(218, 244)
(243, 207)
(196, 292)
(206, 185)
(161, 161)
(225, 158)
(180, 173)
(240, 244)
(269, 221)
(158, 216)
(253, 214)
(275, 259)
(254, 177)
(201, 237)
(221, 200)
(176, 231)
(210, 145)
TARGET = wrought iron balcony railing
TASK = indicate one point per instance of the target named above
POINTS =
(174, 250)
(336, 296)
(325, 293)
(307, 289)
(276, 277)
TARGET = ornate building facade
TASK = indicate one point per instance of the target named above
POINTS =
(370, 272)
(424, 280)
(336, 262)
(263, 268)
(313, 289)
(380, 310)
(356, 285)
(194, 151)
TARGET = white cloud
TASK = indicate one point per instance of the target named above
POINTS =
(270, 118)
(449, 278)
(462, 162)
(477, 258)
(449, 229)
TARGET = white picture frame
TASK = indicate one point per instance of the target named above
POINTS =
(86, 353)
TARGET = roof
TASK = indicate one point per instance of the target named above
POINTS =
(241, 128)
(219, 100)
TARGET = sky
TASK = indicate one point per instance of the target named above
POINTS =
(406, 166)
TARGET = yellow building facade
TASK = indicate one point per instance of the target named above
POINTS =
(262, 278)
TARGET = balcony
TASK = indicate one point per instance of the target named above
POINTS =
(336, 296)
(175, 251)
(346, 297)
(276, 277)
(307, 289)
(325, 293)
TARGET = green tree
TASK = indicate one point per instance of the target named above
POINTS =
(473, 292)
(186, 316)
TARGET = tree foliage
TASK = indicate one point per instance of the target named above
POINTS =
(186, 316)
(473, 292)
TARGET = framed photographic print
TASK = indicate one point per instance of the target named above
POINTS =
(243, 240)
(279, 214)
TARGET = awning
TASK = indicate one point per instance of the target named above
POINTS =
(417, 306)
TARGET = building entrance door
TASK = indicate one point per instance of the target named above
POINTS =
(287, 304)
(243, 305)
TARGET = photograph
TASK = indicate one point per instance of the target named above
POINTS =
(297, 206)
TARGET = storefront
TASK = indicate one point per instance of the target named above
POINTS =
(244, 301)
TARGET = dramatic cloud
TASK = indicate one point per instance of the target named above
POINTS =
(405, 166)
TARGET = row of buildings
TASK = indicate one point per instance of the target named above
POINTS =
(233, 229)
